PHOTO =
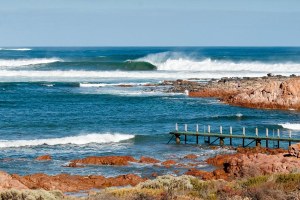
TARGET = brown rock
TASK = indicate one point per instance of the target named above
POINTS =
(74, 183)
(8, 182)
(44, 158)
(191, 156)
(199, 173)
(294, 150)
(148, 160)
(103, 160)
(168, 163)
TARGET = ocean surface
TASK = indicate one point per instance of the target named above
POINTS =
(68, 102)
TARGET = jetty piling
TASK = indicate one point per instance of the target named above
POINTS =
(222, 136)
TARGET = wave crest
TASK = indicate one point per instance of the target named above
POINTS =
(26, 62)
(78, 140)
(174, 61)
(290, 126)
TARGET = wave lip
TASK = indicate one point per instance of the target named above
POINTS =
(175, 61)
(26, 62)
(290, 126)
(77, 140)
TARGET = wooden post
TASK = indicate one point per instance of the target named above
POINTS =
(185, 127)
(230, 139)
(197, 128)
(278, 133)
(267, 135)
(258, 142)
(176, 127)
(221, 141)
(278, 144)
(243, 142)
(244, 131)
(208, 130)
(290, 136)
(220, 129)
(177, 139)
(197, 139)
(256, 132)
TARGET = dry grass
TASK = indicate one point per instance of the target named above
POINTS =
(32, 195)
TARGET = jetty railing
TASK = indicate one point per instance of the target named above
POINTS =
(211, 138)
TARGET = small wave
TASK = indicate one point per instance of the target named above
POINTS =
(290, 126)
(78, 140)
(174, 61)
(16, 49)
(26, 62)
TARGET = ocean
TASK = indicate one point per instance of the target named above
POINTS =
(68, 102)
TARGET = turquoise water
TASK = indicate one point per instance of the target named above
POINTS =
(66, 102)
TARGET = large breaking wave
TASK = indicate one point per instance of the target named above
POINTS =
(172, 61)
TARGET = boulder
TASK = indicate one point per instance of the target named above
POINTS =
(8, 182)
(44, 158)
(103, 160)
(294, 150)
(148, 160)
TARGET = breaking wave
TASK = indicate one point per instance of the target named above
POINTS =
(172, 61)
(78, 140)
(291, 126)
(26, 62)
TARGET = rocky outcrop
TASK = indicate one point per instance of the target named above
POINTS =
(103, 160)
(74, 183)
(255, 161)
(8, 182)
(294, 150)
(272, 92)
(191, 156)
(44, 158)
(148, 160)
(243, 165)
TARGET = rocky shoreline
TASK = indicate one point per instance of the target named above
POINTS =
(269, 92)
(245, 162)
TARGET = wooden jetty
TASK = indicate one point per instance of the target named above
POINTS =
(212, 138)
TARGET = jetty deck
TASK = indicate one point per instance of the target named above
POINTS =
(246, 140)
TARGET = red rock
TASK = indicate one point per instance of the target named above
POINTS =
(294, 150)
(199, 173)
(74, 183)
(191, 156)
(148, 160)
(103, 160)
(154, 174)
(168, 163)
(44, 158)
(8, 182)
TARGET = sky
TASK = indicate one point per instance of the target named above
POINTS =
(149, 23)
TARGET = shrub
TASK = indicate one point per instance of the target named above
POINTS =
(31, 195)
(255, 181)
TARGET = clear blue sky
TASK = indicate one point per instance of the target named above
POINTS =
(149, 23)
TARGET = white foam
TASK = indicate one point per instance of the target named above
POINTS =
(71, 75)
(171, 61)
(16, 49)
(111, 84)
(239, 115)
(290, 126)
(26, 62)
(78, 140)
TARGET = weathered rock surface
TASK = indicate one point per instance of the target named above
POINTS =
(255, 161)
(103, 160)
(274, 92)
(294, 150)
(148, 160)
(191, 156)
(44, 158)
(74, 183)
(8, 182)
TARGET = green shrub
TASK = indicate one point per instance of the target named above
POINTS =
(13, 194)
(255, 181)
